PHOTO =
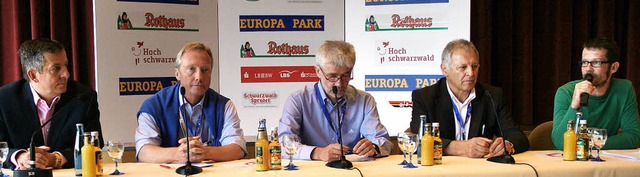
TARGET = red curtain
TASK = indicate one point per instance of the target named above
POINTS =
(68, 21)
(529, 48)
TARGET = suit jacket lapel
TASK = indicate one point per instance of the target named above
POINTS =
(60, 117)
(30, 114)
(447, 121)
(475, 129)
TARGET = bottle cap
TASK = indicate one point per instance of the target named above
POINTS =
(95, 133)
(583, 121)
(578, 113)
(79, 125)
(435, 124)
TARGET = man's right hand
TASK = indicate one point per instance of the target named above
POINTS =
(328, 153)
(43, 159)
(475, 147)
(197, 150)
(581, 87)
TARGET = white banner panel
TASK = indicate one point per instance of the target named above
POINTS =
(398, 49)
(136, 46)
(268, 49)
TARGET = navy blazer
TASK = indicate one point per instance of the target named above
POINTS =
(435, 102)
(19, 118)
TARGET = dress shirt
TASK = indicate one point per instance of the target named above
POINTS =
(462, 108)
(148, 131)
(304, 117)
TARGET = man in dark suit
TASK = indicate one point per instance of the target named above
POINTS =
(45, 93)
(463, 107)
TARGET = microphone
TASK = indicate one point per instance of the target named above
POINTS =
(32, 170)
(342, 163)
(505, 158)
(187, 169)
(584, 97)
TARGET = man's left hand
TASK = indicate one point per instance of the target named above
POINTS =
(364, 147)
(497, 149)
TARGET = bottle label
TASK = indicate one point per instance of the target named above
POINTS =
(99, 169)
(580, 149)
(437, 152)
(276, 156)
(259, 154)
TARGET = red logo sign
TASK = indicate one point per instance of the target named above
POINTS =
(278, 74)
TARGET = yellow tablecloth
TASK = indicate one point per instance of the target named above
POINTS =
(545, 163)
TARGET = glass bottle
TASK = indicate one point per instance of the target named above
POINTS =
(95, 141)
(427, 146)
(275, 151)
(582, 142)
(569, 149)
(423, 119)
(88, 157)
(437, 143)
(262, 147)
(77, 157)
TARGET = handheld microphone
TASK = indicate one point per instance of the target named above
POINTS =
(584, 97)
(342, 163)
(32, 170)
(187, 169)
(505, 158)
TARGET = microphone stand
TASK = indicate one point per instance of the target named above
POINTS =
(32, 171)
(187, 169)
(506, 157)
(342, 163)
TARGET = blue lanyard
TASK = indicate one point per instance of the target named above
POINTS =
(198, 129)
(326, 112)
(459, 118)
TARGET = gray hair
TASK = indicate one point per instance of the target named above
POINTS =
(196, 46)
(32, 54)
(339, 53)
(457, 44)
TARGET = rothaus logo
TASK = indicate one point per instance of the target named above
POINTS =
(163, 22)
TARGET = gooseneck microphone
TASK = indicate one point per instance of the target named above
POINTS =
(342, 163)
(584, 97)
(187, 169)
(32, 171)
(506, 157)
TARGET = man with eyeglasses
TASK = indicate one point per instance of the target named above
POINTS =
(464, 109)
(612, 102)
(311, 113)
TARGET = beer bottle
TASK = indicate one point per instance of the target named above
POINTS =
(275, 151)
(582, 143)
(262, 147)
(569, 149)
(437, 143)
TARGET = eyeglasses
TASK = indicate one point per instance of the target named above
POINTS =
(334, 78)
(595, 64)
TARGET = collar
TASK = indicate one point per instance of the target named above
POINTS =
(188, 106)
(37, 98)
(350, 93)
(471, 96)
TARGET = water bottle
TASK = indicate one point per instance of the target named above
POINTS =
(77, 157)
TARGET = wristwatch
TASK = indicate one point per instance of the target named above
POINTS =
(58, 162)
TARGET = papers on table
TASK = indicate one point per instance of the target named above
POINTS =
(629, 155)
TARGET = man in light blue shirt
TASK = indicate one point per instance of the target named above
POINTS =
(311, 113)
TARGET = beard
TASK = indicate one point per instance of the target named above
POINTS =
(600, 79)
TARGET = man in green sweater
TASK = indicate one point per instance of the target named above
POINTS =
(612, 102)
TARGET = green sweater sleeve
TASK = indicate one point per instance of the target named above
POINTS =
(562, 112)
(629, 123)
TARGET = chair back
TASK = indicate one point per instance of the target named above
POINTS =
(540, 137)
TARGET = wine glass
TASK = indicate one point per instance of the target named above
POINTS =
(4, 151)
(599, 138)
(115, 148)
(401, 139)
(411, 144)
(290, 142)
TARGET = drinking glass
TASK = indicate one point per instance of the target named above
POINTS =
(290, 143)
(115, 148)
(401, 139)
(411, 145)
(599, 138)
(4, 150)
